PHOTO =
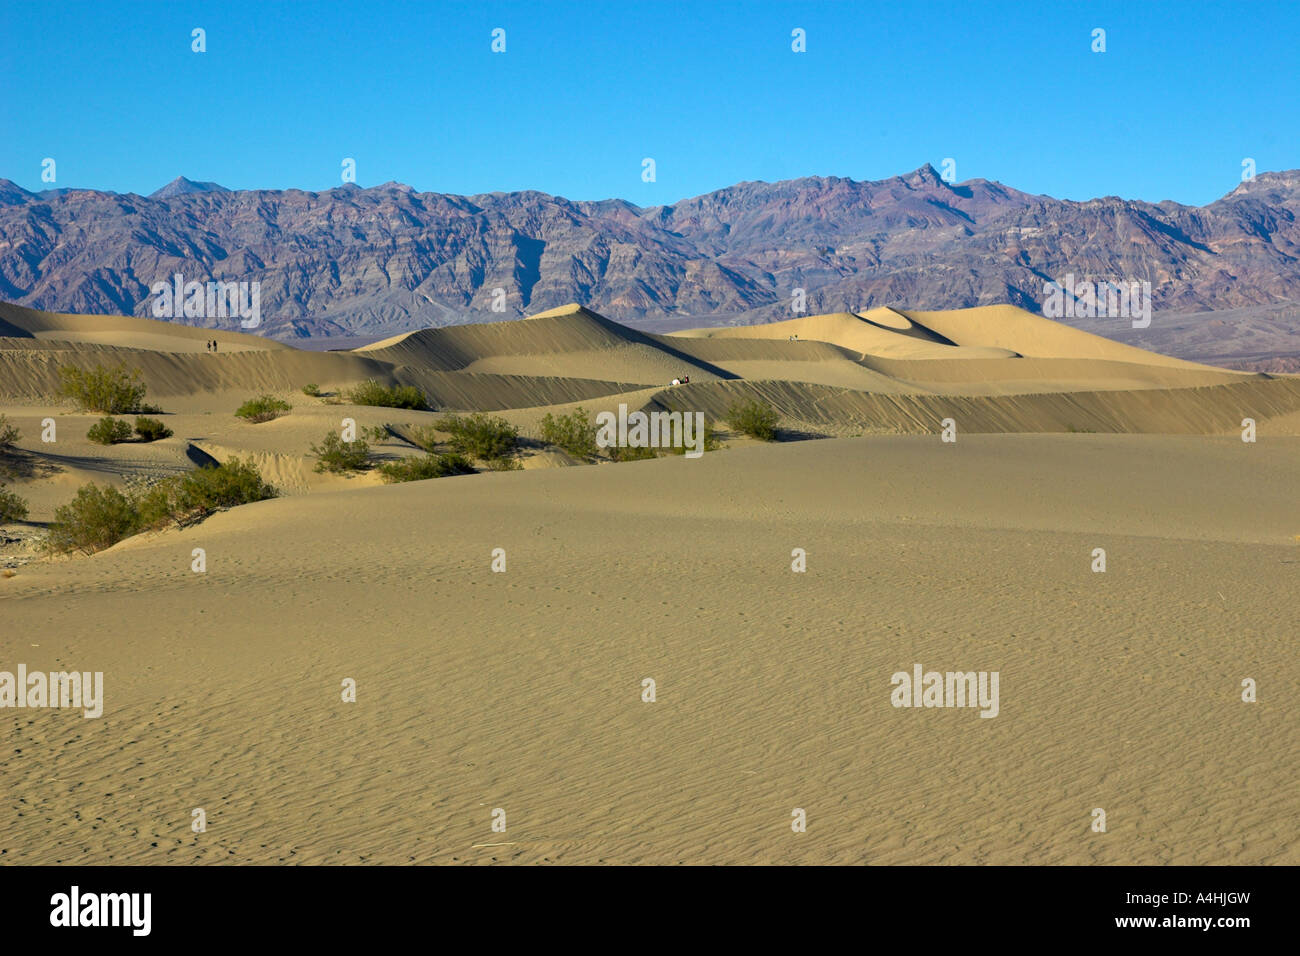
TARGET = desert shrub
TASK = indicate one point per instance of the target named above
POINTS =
(572, 432)
(10, 459)
(234, 482)
(109, 431)
(426, 438)
(455, 464)
(150, 429)
(338, 456)
(711, 440)
(313, 390)
(426, 466)
(113, 391)
(9, 434)
(754, 419)
(98, 518)
(371, 392)
(156, 506)
(630, 453)
(191, 497)
(263, 408)
(12, 508)
(481, 436)
(375, 433)
(95, 519)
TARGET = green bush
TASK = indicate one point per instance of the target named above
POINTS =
(425, 438)
(232, 483)
(193, 496)
(9, 434)
(754, 419)
(376, 433)
(12, 508)
(338, 456)
(150, 429)
(113, 391)
(97, 518)
(572, 432)
(156, 506)
(109, 431)
(262, 409)
(630, 453)
(313, 390)
(481, 436)
(426, 466)
(371, 392)
(711, 440)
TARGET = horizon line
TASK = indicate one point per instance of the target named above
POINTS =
(397, 185)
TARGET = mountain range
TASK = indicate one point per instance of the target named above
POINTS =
(381, 260)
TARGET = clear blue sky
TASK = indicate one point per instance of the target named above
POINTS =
(711, 91)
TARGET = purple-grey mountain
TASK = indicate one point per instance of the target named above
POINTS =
(352, 261)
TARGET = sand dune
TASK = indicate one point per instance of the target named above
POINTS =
(522, 690)
(888, 333)
(572, 340)
(1203, 411)
(843, 376)
(1007, 327)
(978, 376)
(961, 352)
(122, 331)
(570, 354)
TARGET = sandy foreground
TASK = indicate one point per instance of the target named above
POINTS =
(522, 690)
